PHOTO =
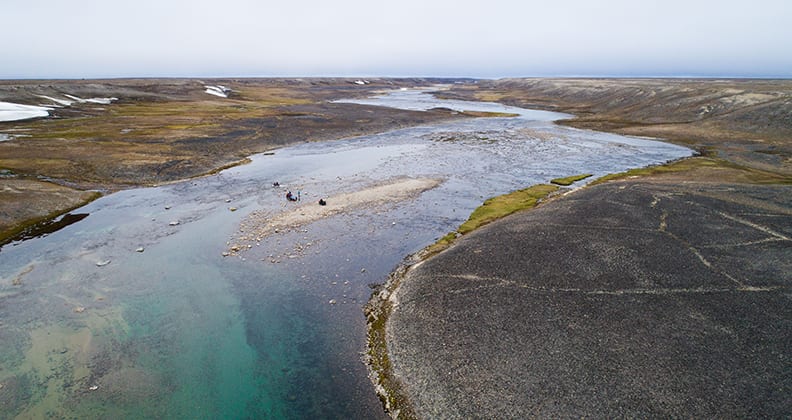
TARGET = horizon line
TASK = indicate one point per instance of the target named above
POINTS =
(455, 77)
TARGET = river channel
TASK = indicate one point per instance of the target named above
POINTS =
(135, 312)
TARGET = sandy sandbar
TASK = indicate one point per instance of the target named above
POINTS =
(260, 224)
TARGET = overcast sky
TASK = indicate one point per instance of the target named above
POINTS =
(493, 38)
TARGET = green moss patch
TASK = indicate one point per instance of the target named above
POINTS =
(569, 180)
(504, 205)
(493, 209)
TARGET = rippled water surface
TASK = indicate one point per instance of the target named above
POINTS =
(134, 312)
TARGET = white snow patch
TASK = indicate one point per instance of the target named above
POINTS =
(14, 112)
(63, 102)
(362, 82)
(102, 101)
(218, 90)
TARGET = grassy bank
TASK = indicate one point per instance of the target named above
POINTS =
(493, 209)
(567, 181)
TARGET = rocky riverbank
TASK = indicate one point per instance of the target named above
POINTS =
(662, 292)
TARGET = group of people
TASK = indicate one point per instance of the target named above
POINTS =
(298, 197)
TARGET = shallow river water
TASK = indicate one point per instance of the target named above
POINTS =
(134, 312)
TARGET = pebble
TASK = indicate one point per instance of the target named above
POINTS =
(140, 249)
(102, 263)
(93, 388)
(232, 208)
(174, 223)
(332, 301)
(167, 207)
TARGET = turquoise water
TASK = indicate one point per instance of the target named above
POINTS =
(91, 328)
